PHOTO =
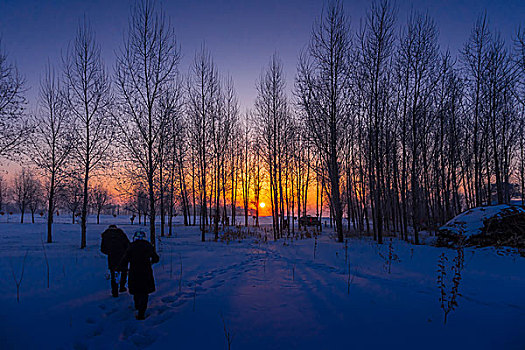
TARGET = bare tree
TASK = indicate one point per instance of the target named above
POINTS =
(24, 187)
(204, 92)
(73, 196)
(3, 193)
(519, 59)
(146, 76)
(222, 127)
(448, 152)
(100, 199)
(51, 142)
(36, 198)
(176, 154)
(322, 87)
(474, 59)
(418, 55)
(88, 98)
(246, 164)
(272, 122)
(376, 44)
(257, 175)
(235, 149)
(136, 200)
(13, 130)
(500, 81)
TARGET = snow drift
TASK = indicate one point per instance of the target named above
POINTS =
(499, 225)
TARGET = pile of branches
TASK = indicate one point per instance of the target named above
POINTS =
(505, 229)
(449, 239)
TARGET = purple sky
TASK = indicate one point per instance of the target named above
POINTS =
(242, 35)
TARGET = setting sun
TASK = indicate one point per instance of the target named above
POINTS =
(262, 204)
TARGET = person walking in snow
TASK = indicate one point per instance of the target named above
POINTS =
(114, 244)
(140, 255)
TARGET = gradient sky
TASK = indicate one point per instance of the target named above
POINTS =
(242, 35)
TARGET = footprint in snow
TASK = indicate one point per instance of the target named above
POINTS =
(178, 303)
(159, 319)
(169, 299)
(128, 331)
(142, 340)
(97, 331)
(124, 315)
(111, 312)
(79, 346)
(216, 285)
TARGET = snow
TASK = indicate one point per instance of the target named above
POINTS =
(470, 222)
(300, 294)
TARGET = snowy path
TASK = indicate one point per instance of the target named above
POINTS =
(274, 295)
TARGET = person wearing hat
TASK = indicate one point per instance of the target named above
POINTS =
(140, 255)
(114, 244)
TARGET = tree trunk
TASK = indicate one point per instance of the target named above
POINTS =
(84, 209)
(50, 209)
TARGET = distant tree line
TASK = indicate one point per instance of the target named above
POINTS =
(28, 194)
(391, 132)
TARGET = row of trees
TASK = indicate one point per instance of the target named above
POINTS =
(386, 129)
(413, 134)
(27, 193)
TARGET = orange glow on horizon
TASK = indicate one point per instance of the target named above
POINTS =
(109, 180)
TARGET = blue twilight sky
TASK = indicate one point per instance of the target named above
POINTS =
(242, 35)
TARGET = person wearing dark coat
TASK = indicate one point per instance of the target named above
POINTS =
(140, 255)
(114, 244)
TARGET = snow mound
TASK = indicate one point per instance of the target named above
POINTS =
(472, 221)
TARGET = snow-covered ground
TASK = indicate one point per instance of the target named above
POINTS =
(300, 294)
